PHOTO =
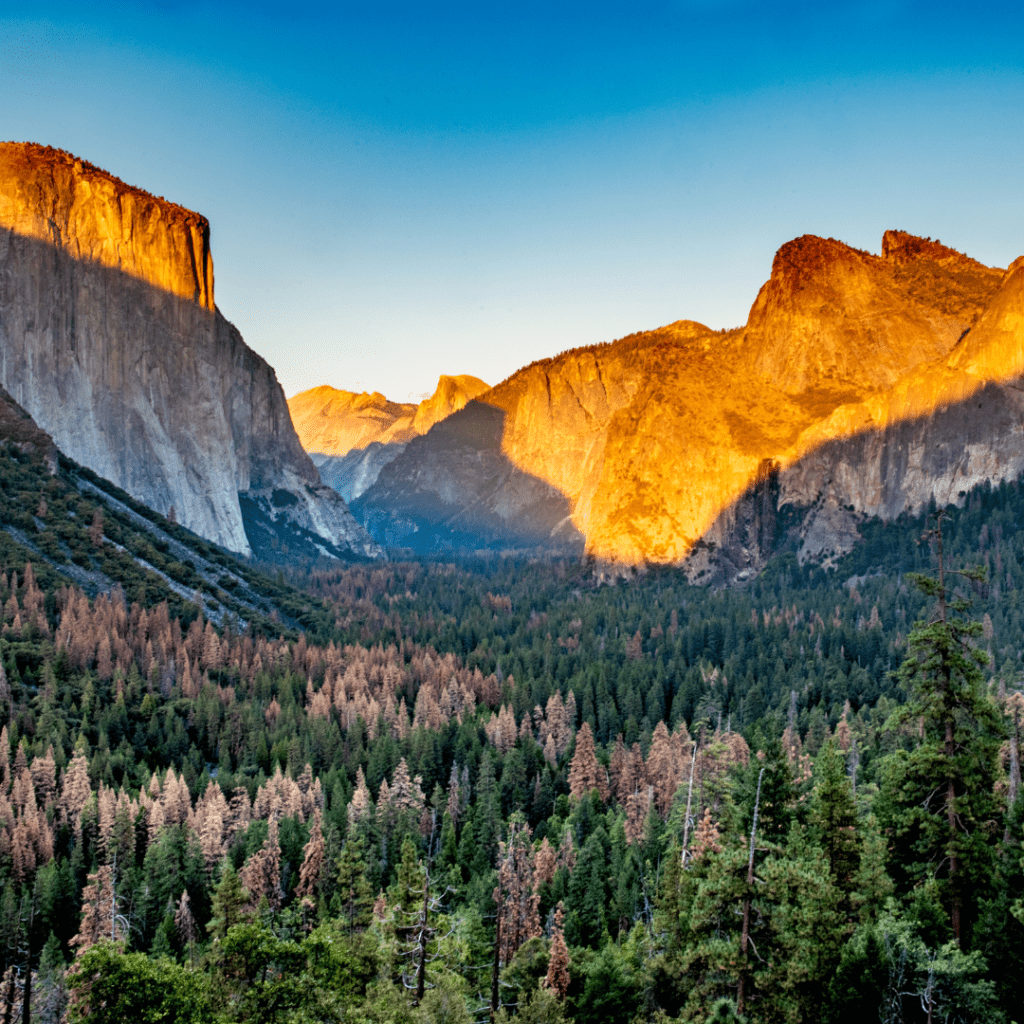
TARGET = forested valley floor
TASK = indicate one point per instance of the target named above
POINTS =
(500, 788)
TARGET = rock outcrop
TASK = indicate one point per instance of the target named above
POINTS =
(352, 437)
(110, 338)
(860, 385)
(333, 422)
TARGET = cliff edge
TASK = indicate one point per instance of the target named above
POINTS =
(111, 339)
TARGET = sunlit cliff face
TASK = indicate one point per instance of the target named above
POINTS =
(667, 429)
(54, 197)
(652, 439)
(334, 422)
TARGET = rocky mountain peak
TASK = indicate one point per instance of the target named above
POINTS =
(450, 395)
(901, 248)
(836, 320)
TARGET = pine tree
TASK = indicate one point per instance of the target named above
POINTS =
(101, 911)
(185, 923)
(96, 529)
(44, 777)
(261, 874)
(230, 899)
(834, 815)
(516, 893)
(51, 991)
(638, 806)
(417, 926)
(211, 838)
(486, 830)
(313, 861)
(353, 895)
(705, 837)
(587, 904)
(938, 800)
(585, 771)
(75, 790)
(618, 772)
(558, 963)
(361, 805)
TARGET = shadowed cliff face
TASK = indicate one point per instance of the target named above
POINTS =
(110, 339)
(422, 503)
(856, 382)
(356, 472)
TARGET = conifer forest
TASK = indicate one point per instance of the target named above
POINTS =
(497, 788)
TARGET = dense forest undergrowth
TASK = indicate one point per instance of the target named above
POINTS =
(422, 791)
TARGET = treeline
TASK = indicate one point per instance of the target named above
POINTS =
(78, 528)
(156, 790)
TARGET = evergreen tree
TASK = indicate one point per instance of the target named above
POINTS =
(353, 898)
(834, 816)
(50, 1000)
(417, 925)
(229, 903)
(938, 802)
(486, 831)
(587, 903)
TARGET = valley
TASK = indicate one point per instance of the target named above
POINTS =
(676, 678)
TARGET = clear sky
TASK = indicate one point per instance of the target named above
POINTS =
(399, 190)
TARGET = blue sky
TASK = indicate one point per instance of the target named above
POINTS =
(398, 190)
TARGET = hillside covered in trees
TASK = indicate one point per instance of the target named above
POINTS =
(429, 791)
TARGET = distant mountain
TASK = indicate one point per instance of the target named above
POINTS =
(861, 385)
(351, 437)
(112, 341)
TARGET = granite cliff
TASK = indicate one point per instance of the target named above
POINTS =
(111, 340)
(860, 385)
(351, 437)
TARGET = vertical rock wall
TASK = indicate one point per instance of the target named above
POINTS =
(111, 340)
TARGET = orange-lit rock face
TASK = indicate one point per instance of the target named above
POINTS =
(847, 386)
(451, 394)
(839, 321)
(110, 339)
(54, 197)
(334, 422)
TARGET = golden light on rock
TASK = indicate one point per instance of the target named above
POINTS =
(114, 345)
(653, 440)
(54, 197)
(330, 421)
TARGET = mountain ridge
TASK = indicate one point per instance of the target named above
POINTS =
(351, 436)
(665, 445)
